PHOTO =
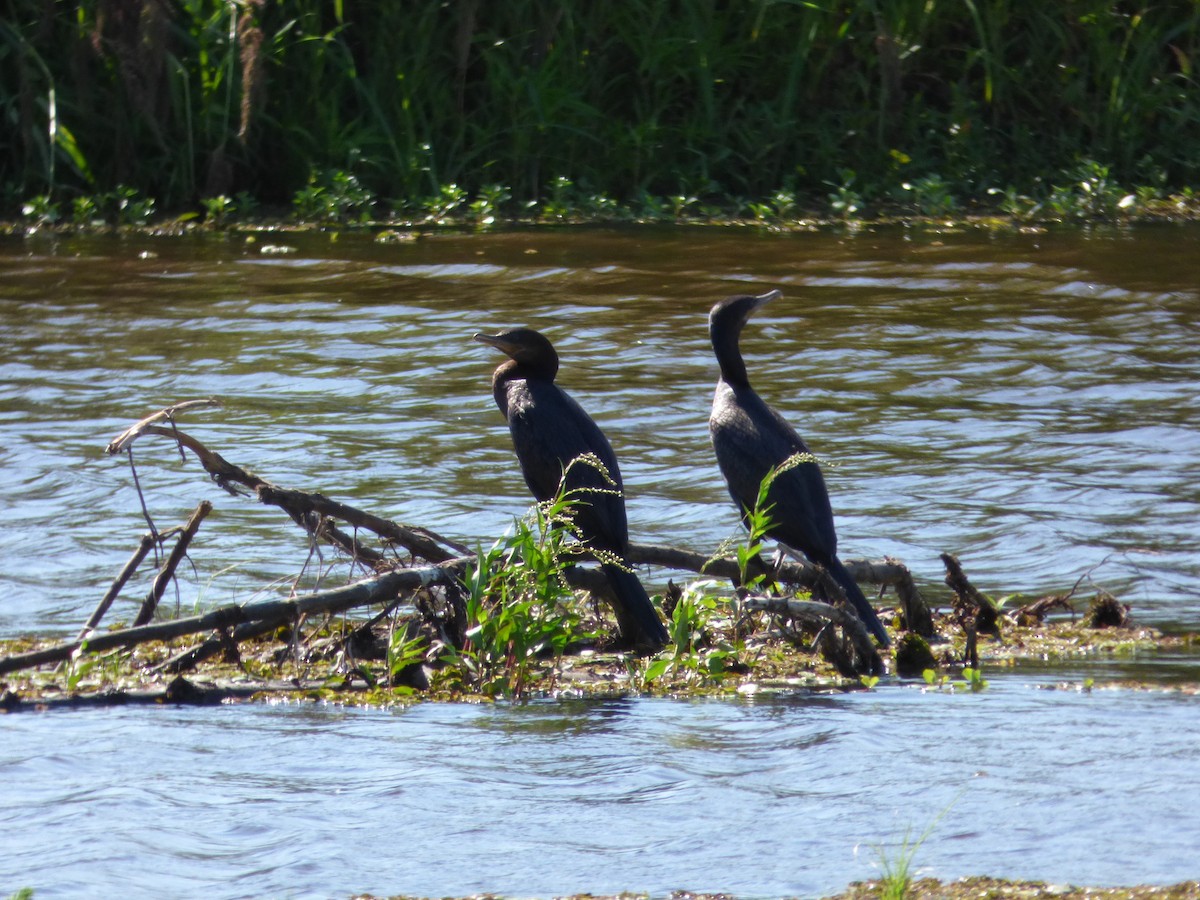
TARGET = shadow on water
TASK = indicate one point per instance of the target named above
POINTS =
(1026, 401)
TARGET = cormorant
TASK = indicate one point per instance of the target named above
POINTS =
(549, 431)
(750, 438)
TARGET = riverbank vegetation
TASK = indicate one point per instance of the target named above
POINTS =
(399, 613)
(477, 113)
(974, 888)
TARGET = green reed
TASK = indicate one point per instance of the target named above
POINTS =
(711, 103)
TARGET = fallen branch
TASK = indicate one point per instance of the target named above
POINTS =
(307, 509)
(179, 691)
(818, 614)
(315, 512)
(319, 515)
(884, 573)
(378, 589)
(420, 542)
(123, 440)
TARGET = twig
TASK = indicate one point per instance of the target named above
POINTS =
(137, 486)
(148, 541)
(131, 434)
(167, 572)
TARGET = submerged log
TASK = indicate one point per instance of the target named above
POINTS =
(179, 691)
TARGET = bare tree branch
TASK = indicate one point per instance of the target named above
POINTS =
(167, 572)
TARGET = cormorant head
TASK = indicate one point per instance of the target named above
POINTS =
(529, 349)
(725, 322)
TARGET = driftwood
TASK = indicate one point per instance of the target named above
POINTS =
(310, 511)
(813, 612)
(976, 613)
(148, 541)
(393, 578)
(270, 613)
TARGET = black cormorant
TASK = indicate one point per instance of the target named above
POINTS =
(750, 438)
(550, 430)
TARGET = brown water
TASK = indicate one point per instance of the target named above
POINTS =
(1026, 401)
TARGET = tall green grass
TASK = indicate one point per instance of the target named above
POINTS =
(692, 98)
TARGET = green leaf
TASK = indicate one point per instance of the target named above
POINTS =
(656, 669)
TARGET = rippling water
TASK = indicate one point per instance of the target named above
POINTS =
(1028, 402)
(767, 799)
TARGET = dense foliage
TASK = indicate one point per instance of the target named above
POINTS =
(182, 100)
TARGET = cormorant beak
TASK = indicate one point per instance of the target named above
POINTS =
(766, 298)
(492, 340)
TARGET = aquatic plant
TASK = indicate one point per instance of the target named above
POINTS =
(707, 631)
(406, 647)
(897, 867)
(217, 210)
(931, 195)
(517, 606)
(41, 210)
(130, 206)
(845, 201)
(973, 676)
(972, 680)
(705, 646)
(333, 196)
(489, 203)
(758, 523)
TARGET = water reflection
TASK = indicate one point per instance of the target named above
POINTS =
(1026, 401)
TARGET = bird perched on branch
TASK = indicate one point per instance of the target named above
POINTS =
(550, 433)
(750, 439)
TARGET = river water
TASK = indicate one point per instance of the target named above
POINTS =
(1027, 401)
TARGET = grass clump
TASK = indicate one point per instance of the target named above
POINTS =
(519, 618)
(896, 863)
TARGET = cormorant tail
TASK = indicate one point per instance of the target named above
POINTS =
(636, 616)
(865, 611)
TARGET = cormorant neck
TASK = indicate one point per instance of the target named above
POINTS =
(729, 355)
(725, 322)
(510, 370)
(542, 367)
